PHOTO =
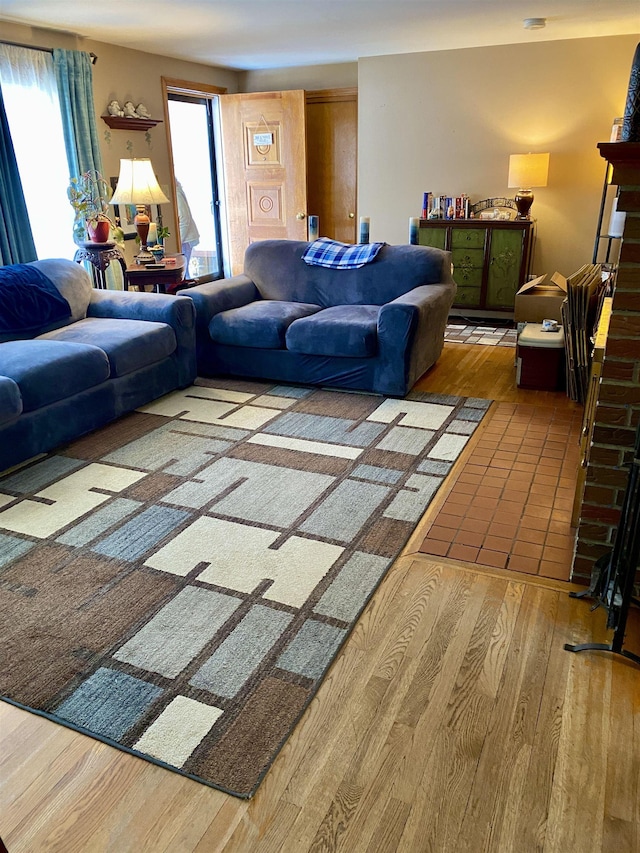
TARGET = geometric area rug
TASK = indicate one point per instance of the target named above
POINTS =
(177, 583)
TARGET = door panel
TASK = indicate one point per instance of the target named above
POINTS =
(332, 128)
(264, 156)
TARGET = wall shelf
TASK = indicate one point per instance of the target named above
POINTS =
(125, 123)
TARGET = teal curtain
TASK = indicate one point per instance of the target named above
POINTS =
(74, 76)
(16, 239)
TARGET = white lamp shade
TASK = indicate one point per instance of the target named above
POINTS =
(528, 170)
(137, 184)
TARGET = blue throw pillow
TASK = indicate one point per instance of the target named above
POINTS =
(29, 301)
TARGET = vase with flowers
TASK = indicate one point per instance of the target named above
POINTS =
(89, 197)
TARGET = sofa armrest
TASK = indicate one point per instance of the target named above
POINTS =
(176, 311)
(411, 333)
(216, 296)
(414, 308)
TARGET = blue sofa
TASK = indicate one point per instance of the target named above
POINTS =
(113, 351)
(376, 328)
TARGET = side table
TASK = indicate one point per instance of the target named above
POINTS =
(163, 278)
(100, 256)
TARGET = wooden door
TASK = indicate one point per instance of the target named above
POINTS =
(264, 157)
(332, 140)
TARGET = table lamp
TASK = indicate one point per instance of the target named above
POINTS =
(526, 171)
(138, 185)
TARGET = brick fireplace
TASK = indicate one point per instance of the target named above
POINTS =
(618, 407)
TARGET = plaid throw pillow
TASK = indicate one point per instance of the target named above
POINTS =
(324, 252)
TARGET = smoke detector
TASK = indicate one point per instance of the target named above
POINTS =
(534, 23)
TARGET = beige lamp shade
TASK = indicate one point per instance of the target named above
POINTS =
(528, 170)
(137, 184)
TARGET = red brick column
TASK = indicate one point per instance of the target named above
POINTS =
(618, 407)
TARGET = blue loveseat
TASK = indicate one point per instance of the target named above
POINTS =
(376, 328)
(113, 351)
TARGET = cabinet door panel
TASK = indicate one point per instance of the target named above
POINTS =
(467, 267)
(436, 237)
(468, 238)
(469, 296)
(505, 259)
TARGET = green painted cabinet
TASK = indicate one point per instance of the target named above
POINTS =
(491, 258)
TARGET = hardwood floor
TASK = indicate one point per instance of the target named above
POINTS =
(452, 720)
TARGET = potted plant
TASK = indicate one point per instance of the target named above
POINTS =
(88, 196)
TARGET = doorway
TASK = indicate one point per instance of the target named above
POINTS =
(190, 112)
(332, 143)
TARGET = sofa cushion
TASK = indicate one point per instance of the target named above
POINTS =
(346, 330)
(10, 400)
(29, 302)
(129, 344)
(72, 281)
(46, 371)
(259, 324)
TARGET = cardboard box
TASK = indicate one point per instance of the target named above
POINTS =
(540, 299)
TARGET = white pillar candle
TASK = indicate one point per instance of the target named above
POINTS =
(617, 220)
(152, 237)
(414, 225)
(364, 229)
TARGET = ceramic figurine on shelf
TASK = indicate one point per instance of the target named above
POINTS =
(142, 111)
(130, 110)
(114, 109)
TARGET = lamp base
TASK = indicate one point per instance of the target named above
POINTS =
(523, 200)
(144, 256)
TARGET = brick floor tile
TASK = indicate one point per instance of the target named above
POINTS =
(444, 534)
(463, 552)
(483, 513)
(537, 537)
(560, 540)
(443, 519)
(454, 508)
(513, 507)
(527, 549)
(557, 555)
(555, 570)
(488, 492)
(474, 479)
(464, 489)
(498, 543)
(493, 482)
(540, 500)
(472, 468)
(529, 565)
(458, 498)
(528, 467)
(507, 531)
(469, 537)
(434, 546)
(561, 527)
(537, 511)
(498, 559)
(475, 525)
(530, 522)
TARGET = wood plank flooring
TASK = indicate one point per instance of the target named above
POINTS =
(452, 720)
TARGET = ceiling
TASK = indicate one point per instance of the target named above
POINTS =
(254, 34)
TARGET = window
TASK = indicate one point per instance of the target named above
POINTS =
(33, 111)
(192, 140)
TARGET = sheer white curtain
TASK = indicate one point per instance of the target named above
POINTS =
(33, 111)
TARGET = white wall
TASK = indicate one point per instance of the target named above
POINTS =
(338, 76)
(447, 121)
